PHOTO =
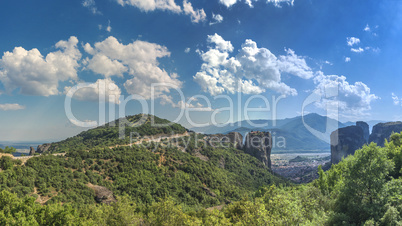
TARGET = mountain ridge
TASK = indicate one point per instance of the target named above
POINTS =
(297, 136)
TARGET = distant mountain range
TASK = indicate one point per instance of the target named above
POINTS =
(371, 123)
(293, 130)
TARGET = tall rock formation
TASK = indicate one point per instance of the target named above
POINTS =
(345, 141)
(259, 145)
(31, 151)
(383, 131)
(43, 148)
(236, 138)
(366, 129)
(225, 140)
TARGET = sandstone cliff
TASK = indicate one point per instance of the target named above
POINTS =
(345, 141)
(383, 131)
(43, 148)
(258, 144)
(31, 151)
(366, 129)
(234, 138)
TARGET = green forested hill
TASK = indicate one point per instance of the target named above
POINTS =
(145, 174)
(108, 135)
(162, 185)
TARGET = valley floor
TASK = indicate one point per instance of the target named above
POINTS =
(303, 168)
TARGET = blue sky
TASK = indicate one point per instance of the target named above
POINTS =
(210, 48)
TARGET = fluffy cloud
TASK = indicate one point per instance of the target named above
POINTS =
(347, 59)
(220, 43)
(351, 41)
(192, 104)
(167, 5)
(396, 99)
(251, 71)
(228, 3)
(151, 5)
(217, 18)
(193, 107)
(357, 50)
(90, 4)
(261, 65)
(371, 30)
(102, 89)
(109, 28)
(208, 83)
(296, 65)
(367, 28)
(352, 99)
(277, 3)
(11, 107)
(195, 15)
(187, 50)
(35, 75)
(139, 59)
(103, 65)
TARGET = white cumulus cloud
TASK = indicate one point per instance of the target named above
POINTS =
(357, 50)
(151, 5)
(192, 104)
(296, 65)
(33, 74)
(396, 99)
(109, 28)
(91, 5)
(351, 41)
(217, 18)
(221, 44)
(228, 3)
(352, 99)
(11, 107)
(367, 28)
(138, 59)
(196, 15)
(103, 65)
(277, 3)
(104, 89)
(347, 59)
(252, 71)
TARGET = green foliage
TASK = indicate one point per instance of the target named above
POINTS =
(25, 211)
(360, 193)
(162, 185)
(167, 213)
(8, 150)
(6, 162)
(394, 152)
(169, 187)
(366, 188)
(108, 135)
(142, 174)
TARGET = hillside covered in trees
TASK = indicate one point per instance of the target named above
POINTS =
(160, 184)
(108, 135)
